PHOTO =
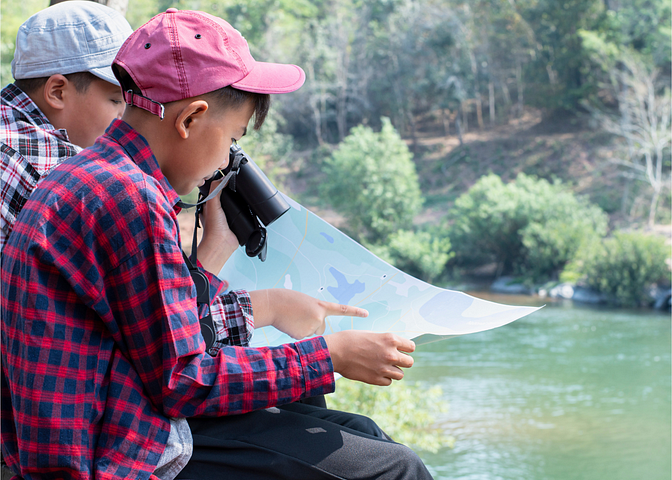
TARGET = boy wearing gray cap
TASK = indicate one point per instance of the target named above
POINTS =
(64, 97)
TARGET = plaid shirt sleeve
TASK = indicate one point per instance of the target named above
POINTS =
(232, 315)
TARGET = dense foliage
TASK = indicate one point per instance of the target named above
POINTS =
(529, 227)
(371, 179)
(402, 58)
(624, 266)
(420, 254)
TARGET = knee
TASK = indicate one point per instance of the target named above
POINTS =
(408, 465)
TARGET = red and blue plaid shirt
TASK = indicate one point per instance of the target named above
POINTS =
(101, 342)
(30, 147)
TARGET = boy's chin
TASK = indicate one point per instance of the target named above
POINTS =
(185, 190)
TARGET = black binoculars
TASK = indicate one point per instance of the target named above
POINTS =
(249, 200)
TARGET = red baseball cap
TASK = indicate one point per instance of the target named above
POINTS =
(183, 54)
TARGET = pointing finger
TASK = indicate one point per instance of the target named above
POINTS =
(346, 310)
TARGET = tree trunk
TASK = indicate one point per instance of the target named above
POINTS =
(342, 97)
(491, 101)
(414, 132)
(626, 193)
(505, 93)
(458, 123)
(342, 77)
(446, 122)
(654, 207)
(314, 101)
(521, 87)
(318, 122)
(465, 114)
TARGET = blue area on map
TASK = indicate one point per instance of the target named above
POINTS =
(344, 292)
(329, 238)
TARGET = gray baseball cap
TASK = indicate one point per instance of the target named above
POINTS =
(70, 37)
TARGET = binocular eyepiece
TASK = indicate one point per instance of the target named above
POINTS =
(249, 200)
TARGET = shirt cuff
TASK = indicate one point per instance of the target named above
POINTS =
(232, 316)
(318, 371)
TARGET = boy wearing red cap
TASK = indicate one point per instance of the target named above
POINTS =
(104, 358)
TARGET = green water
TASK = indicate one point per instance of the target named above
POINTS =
(568, 393)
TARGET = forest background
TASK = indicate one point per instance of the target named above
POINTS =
(528, 139)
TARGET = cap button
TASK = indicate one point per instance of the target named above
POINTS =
(171, 10)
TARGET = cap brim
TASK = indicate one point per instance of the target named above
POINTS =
(272, 78)
(105, 73)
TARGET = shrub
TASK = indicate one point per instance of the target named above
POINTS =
(529, 227)
(406, 412)
(371, 179)
(416, 253)
(624, 266)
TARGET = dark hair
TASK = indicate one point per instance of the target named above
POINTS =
(226, 97)
(81, 81)
(229, 97)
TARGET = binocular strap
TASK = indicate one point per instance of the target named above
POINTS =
(202, 298)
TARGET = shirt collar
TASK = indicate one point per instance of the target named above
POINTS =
(140, 152)
(18, 100)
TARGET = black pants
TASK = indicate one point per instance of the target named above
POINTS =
(297, 442)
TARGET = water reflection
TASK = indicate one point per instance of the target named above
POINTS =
(564, 394)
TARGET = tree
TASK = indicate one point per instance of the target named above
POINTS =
(371, 179)
(557, 67)
(528, 227)
(420, 254)
(643, 121)
(13, 14)
(623, 267)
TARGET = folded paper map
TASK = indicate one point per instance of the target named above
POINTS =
(309, 255)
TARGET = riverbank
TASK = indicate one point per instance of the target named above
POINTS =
(518, 290)
(660, 298)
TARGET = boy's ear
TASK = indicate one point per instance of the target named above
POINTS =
(190, 116)
(55, 91)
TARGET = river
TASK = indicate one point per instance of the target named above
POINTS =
(567, 393)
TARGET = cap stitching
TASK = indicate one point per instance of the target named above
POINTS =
(177, 57)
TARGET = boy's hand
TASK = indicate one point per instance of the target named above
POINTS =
(295, 313)
(218, 242)
(369, 357)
